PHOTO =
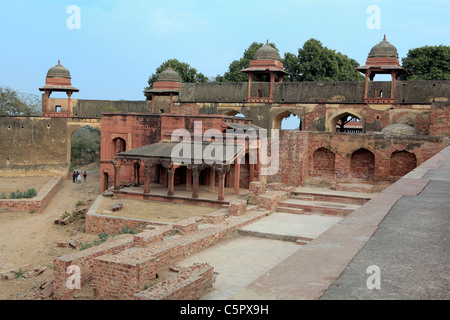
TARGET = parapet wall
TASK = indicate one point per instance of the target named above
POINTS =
(313, 92)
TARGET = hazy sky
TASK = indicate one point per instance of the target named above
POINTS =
(118, 44)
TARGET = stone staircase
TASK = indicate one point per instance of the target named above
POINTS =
(339, 204)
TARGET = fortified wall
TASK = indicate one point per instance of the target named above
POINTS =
(34, 144)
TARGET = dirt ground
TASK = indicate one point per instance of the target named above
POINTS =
(10, 184)
(152, 211)
(31, 238)
(27, 238)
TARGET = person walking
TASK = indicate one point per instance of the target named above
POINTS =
(79, 178)
(74, 176)
(84, 176)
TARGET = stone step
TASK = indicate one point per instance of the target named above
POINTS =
(293, 210)
(275, 236)
(330, 198)
(317, 207)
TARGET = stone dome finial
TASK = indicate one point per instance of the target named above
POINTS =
(58, 71)
(169, 75)
(384, 50)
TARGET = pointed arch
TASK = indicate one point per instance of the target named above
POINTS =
(323, 162)
(287, 120)
(362, 164)
(346, 122)
(401, 163)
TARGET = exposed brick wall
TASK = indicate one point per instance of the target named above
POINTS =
(99, 223)
(38, 203)
(143, 244)
(123, 275)
(402, 162)
(189, 284)
(363, 164)
(324, 160)
(85, 261)
(440, 119)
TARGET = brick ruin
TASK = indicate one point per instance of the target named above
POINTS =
(396, 126)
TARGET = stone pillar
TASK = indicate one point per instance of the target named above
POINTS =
(116, 176)
(69, 94)
(212, 182)
(147, 178)
(188, 179)
(170, 180)
(272, 80)
(221, 185)
(252, 173)
(153, 103)
(237, 175)
(250, 78)
(195, 182)
(137, 169)
(393, 76)
(47, 97)
(366, 84)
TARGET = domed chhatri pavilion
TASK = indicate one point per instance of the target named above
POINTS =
(266, 62)
(169, 83)
(382, 59)
(58, 79)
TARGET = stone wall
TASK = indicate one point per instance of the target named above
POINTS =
(364, 158)
(313, 92)
(33, 144)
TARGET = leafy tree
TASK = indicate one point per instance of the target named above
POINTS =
(315, 62)
(85, 147)
(15, 103)
(186, 72)
(234, 73)
(427, 63)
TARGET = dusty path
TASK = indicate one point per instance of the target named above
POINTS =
(32, 238)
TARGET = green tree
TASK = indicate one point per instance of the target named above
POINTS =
(427, 63)
(14, 103)
(234, 73)
(85, 148)
(315, 62)
(186, 72)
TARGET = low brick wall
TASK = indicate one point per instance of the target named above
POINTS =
(38, 203)
(123, 275)
(145, 246)
(269, 200)
(85, 261)
(237, 208)
(189, 284)
(100, 223)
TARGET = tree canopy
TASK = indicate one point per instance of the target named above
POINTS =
(186, 72)
(14, 103)
(314, 62)
(427, 63)
(85, 148)
(234, 73)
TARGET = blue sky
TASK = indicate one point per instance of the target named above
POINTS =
(121, 43)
